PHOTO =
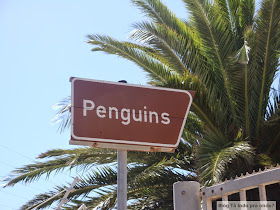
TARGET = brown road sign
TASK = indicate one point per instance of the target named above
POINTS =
(125, 116)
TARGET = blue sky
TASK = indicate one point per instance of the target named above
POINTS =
(42, 46)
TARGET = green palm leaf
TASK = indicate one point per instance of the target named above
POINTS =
(98, 178)
(266, 58)
(217, 43)
(81, 159)
(216, 154)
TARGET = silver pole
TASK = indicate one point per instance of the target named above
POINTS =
(122, 180)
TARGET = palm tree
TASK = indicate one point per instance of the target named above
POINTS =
(229, 55)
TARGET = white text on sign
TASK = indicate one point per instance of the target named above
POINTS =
(126, 114)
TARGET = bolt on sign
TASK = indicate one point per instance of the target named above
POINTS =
(125, 116)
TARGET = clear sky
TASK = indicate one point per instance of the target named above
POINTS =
(42, 46)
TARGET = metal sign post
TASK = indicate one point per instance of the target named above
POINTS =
(122, 176)
(122, 180)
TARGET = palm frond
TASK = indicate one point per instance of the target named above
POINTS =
(271, 126)
(43, 200)
(155, 68)
(246, 13)
(165, 40)
(155, 185)
(63, 115)
(216, 154)
(65, 160)
(217, 43)
(33, 172)
(157, 12)
(266, 58)
(101, 177)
